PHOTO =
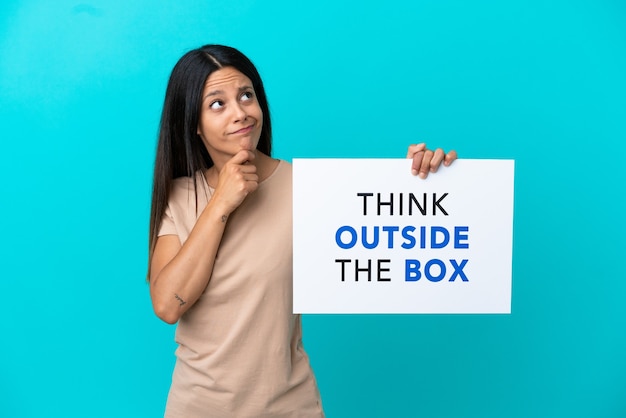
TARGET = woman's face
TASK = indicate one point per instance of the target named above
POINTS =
(230, 116)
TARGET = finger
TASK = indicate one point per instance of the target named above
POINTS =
(437, 159)
(242, 156)
(236, 173)
(232, 169)
(414, 149)
(417, 162)
(247, 168)
(428, 156)
(252, 185)
(450, 157)
(251, 177)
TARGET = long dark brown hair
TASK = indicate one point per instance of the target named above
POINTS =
(180, 151)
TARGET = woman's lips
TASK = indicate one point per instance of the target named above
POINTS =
(243, 130)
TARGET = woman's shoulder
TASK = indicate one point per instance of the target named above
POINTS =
(184, 187)
(284, 165)
(281, 170)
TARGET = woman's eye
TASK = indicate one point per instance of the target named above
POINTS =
(216, 105)
(247, 96)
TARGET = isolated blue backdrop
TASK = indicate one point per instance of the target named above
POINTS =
(542, 82)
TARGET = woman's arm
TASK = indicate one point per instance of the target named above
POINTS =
(426, 161)
(180, 273)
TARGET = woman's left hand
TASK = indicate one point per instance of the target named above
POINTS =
(426, 161)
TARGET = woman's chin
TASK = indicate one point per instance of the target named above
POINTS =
(247, 143)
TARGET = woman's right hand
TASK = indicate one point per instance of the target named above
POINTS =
(236, 180)
(180, 273)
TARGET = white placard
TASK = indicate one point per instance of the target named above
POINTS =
(369, 237)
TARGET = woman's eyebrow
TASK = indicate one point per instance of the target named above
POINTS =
(214, 93)
(218, 92)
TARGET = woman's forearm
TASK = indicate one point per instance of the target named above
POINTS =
(181, 273)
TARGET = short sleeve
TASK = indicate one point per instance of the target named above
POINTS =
(168, 227)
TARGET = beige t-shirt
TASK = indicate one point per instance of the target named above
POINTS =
(240, 348)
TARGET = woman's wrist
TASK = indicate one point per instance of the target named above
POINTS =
(219, 209)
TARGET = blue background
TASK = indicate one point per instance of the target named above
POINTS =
(542, 82)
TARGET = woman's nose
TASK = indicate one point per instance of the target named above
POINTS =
(240, 113)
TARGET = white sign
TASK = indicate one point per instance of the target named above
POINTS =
(369, 237)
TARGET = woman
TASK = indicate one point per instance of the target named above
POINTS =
(220, 245)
